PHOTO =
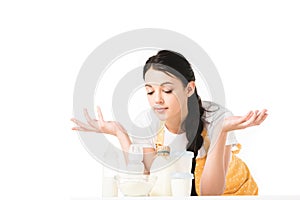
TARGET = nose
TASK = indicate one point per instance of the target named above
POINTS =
(158, 99)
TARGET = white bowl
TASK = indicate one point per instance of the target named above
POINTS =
(135, 185)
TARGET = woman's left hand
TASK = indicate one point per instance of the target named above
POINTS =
(253, 118)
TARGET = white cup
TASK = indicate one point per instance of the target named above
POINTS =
(109, 187)
(181, 184)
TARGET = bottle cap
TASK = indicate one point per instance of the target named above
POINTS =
(182, 175)
(163, 150)
(135, 153)
(135, 158)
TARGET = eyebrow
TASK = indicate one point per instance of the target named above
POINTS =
(164, 83)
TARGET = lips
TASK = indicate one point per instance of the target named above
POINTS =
(160, 110)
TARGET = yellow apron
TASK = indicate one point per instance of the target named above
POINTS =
(238, 179)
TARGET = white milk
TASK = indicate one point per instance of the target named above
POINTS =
(162, 168)
(162, 186)
(181, 184)
(109, 187)
(135, 188)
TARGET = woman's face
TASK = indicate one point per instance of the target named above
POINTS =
(166, 95)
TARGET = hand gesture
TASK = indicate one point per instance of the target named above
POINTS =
(99, 126)
(253, 118)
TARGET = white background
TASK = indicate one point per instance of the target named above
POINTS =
(255, 46)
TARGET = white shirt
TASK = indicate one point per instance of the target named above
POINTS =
(178, 142)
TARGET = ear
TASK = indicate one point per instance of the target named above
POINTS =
(190, 88)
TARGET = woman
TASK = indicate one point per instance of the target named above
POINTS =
(205, 127)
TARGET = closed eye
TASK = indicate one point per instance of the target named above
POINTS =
(167, 91)
(150, 93)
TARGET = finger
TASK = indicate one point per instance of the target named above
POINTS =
(86, 114)
(77, 128)
(100, 116)
(74, 120)
(90, 121)
(256, 115)
(263, 117)
(260, 116)
(250, 121)
(245, 118)
(255, 118)
(82, 125)
(249, 115)
(80, 129)
(264, 111)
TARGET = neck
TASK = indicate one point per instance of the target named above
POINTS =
(175, 126)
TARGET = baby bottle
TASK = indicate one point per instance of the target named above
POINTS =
(162, 168)
(135, 159)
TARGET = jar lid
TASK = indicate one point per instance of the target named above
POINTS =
(163, 150)
(182, 175)
(179, 154)
(189, 154)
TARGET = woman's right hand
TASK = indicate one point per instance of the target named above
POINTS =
(99, 126)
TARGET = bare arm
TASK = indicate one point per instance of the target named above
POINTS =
(125, 143)
(102, 126)
(215, 169)
(217, 161)
(149, 156)
(116, 129)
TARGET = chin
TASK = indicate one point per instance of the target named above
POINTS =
(161, 117)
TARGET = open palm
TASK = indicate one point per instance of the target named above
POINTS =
(99, 126)
(253, 118)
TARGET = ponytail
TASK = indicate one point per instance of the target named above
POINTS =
(194, 127)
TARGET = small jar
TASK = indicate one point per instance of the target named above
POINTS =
(181, 184)
(162, 168)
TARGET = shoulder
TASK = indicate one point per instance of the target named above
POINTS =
(213, 118)
(214, 112)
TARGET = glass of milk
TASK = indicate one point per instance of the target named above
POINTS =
(109, 184)
(109, 187)
(181, 184)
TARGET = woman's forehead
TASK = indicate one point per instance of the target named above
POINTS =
(160, 77)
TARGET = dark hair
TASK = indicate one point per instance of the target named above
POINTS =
(173, 63)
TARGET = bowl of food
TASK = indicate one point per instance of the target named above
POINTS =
(135, 185)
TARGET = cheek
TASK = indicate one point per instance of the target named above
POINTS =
(177, 101)
(150, 100)
(173, 101)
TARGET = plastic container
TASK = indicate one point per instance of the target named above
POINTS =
(109, 185)
(184, 161)
(135, 159)
(181, 184)
(162, 169)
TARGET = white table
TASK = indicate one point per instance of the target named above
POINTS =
(281, 197)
